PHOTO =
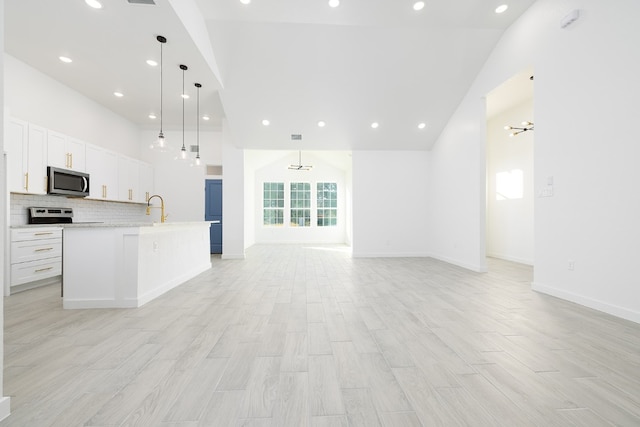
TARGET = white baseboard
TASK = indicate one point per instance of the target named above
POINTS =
(603, 306)
(5, 407)
(477, 268)
(511, 258)
(390, 255)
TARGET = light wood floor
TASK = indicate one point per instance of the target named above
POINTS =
(296, 336)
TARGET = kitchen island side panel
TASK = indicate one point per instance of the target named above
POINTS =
(109, 266)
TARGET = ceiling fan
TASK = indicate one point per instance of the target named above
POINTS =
(300, 166)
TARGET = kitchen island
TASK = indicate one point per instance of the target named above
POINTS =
(127, 265)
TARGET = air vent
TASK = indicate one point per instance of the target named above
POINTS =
(142, 2)
(296, 137)
(193, 148)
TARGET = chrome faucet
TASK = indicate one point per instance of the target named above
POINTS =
(162, 215)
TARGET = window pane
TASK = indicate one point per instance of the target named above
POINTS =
(273, 212)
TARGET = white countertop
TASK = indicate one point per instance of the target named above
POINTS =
(114, 224)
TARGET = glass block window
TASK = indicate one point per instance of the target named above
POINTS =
(300, 204)
(327, 193)
(273, 204)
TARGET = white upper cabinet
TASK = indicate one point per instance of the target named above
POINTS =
(146, 182)
(128, 179)
(65, 152)
(135, 180)
(102, 167)
(26, 157)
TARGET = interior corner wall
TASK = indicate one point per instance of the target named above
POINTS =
(510, 215)
(233, 199)
(35, 97)
(390, 204)
(5, 401)
(586, 97)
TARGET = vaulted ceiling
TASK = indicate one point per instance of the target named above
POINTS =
(291, 62)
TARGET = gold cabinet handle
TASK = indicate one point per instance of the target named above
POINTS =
(26, 181)
(71, 160)
(44, 233)
(40, 270)
(43, 249)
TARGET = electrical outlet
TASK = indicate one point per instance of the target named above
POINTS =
(571, 265)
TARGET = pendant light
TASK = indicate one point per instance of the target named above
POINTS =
(198, 86)
(183, 150)
(160, 143)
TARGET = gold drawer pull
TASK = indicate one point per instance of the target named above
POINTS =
(44, 233)
(43, 249)
(40, 270)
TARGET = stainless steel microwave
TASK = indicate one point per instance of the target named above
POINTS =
(63, 182)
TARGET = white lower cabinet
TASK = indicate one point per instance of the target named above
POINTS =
(36, 254)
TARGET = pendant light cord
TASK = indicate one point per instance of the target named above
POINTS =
(161, 43)
(183, 148)
(198, 121)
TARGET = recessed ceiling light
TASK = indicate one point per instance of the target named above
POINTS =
(94, 4)
(334, 3)
(419, 5)
(152, 62)
(265, 122)
(65, 59)
(245, 1)
(375, 125)
(118, 94)
(321, 124)
(205, 117)
(422, 125)
(502, 8)
(185, 96)
(152, 116)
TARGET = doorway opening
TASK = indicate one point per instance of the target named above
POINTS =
(509, 167)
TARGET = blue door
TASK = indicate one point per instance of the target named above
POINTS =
(213, 212)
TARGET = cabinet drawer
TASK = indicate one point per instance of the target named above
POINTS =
(20, 234)
(32, 250)
(26, 272)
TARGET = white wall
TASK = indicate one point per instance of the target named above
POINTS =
(390, 208)
(181, 183)
(5, 406)
(586, 101)
(510, 219)
(234, 199)
(276, 170)
(37, 98)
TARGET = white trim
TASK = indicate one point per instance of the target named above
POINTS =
(477, 268)
(511, 258)
(5, 407)
(390, 255)
(602, 306)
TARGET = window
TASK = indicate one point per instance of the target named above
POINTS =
(273, 203)
(510, 185)
(300, 204)
(327, 193)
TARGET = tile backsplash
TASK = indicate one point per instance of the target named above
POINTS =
(84, 210)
